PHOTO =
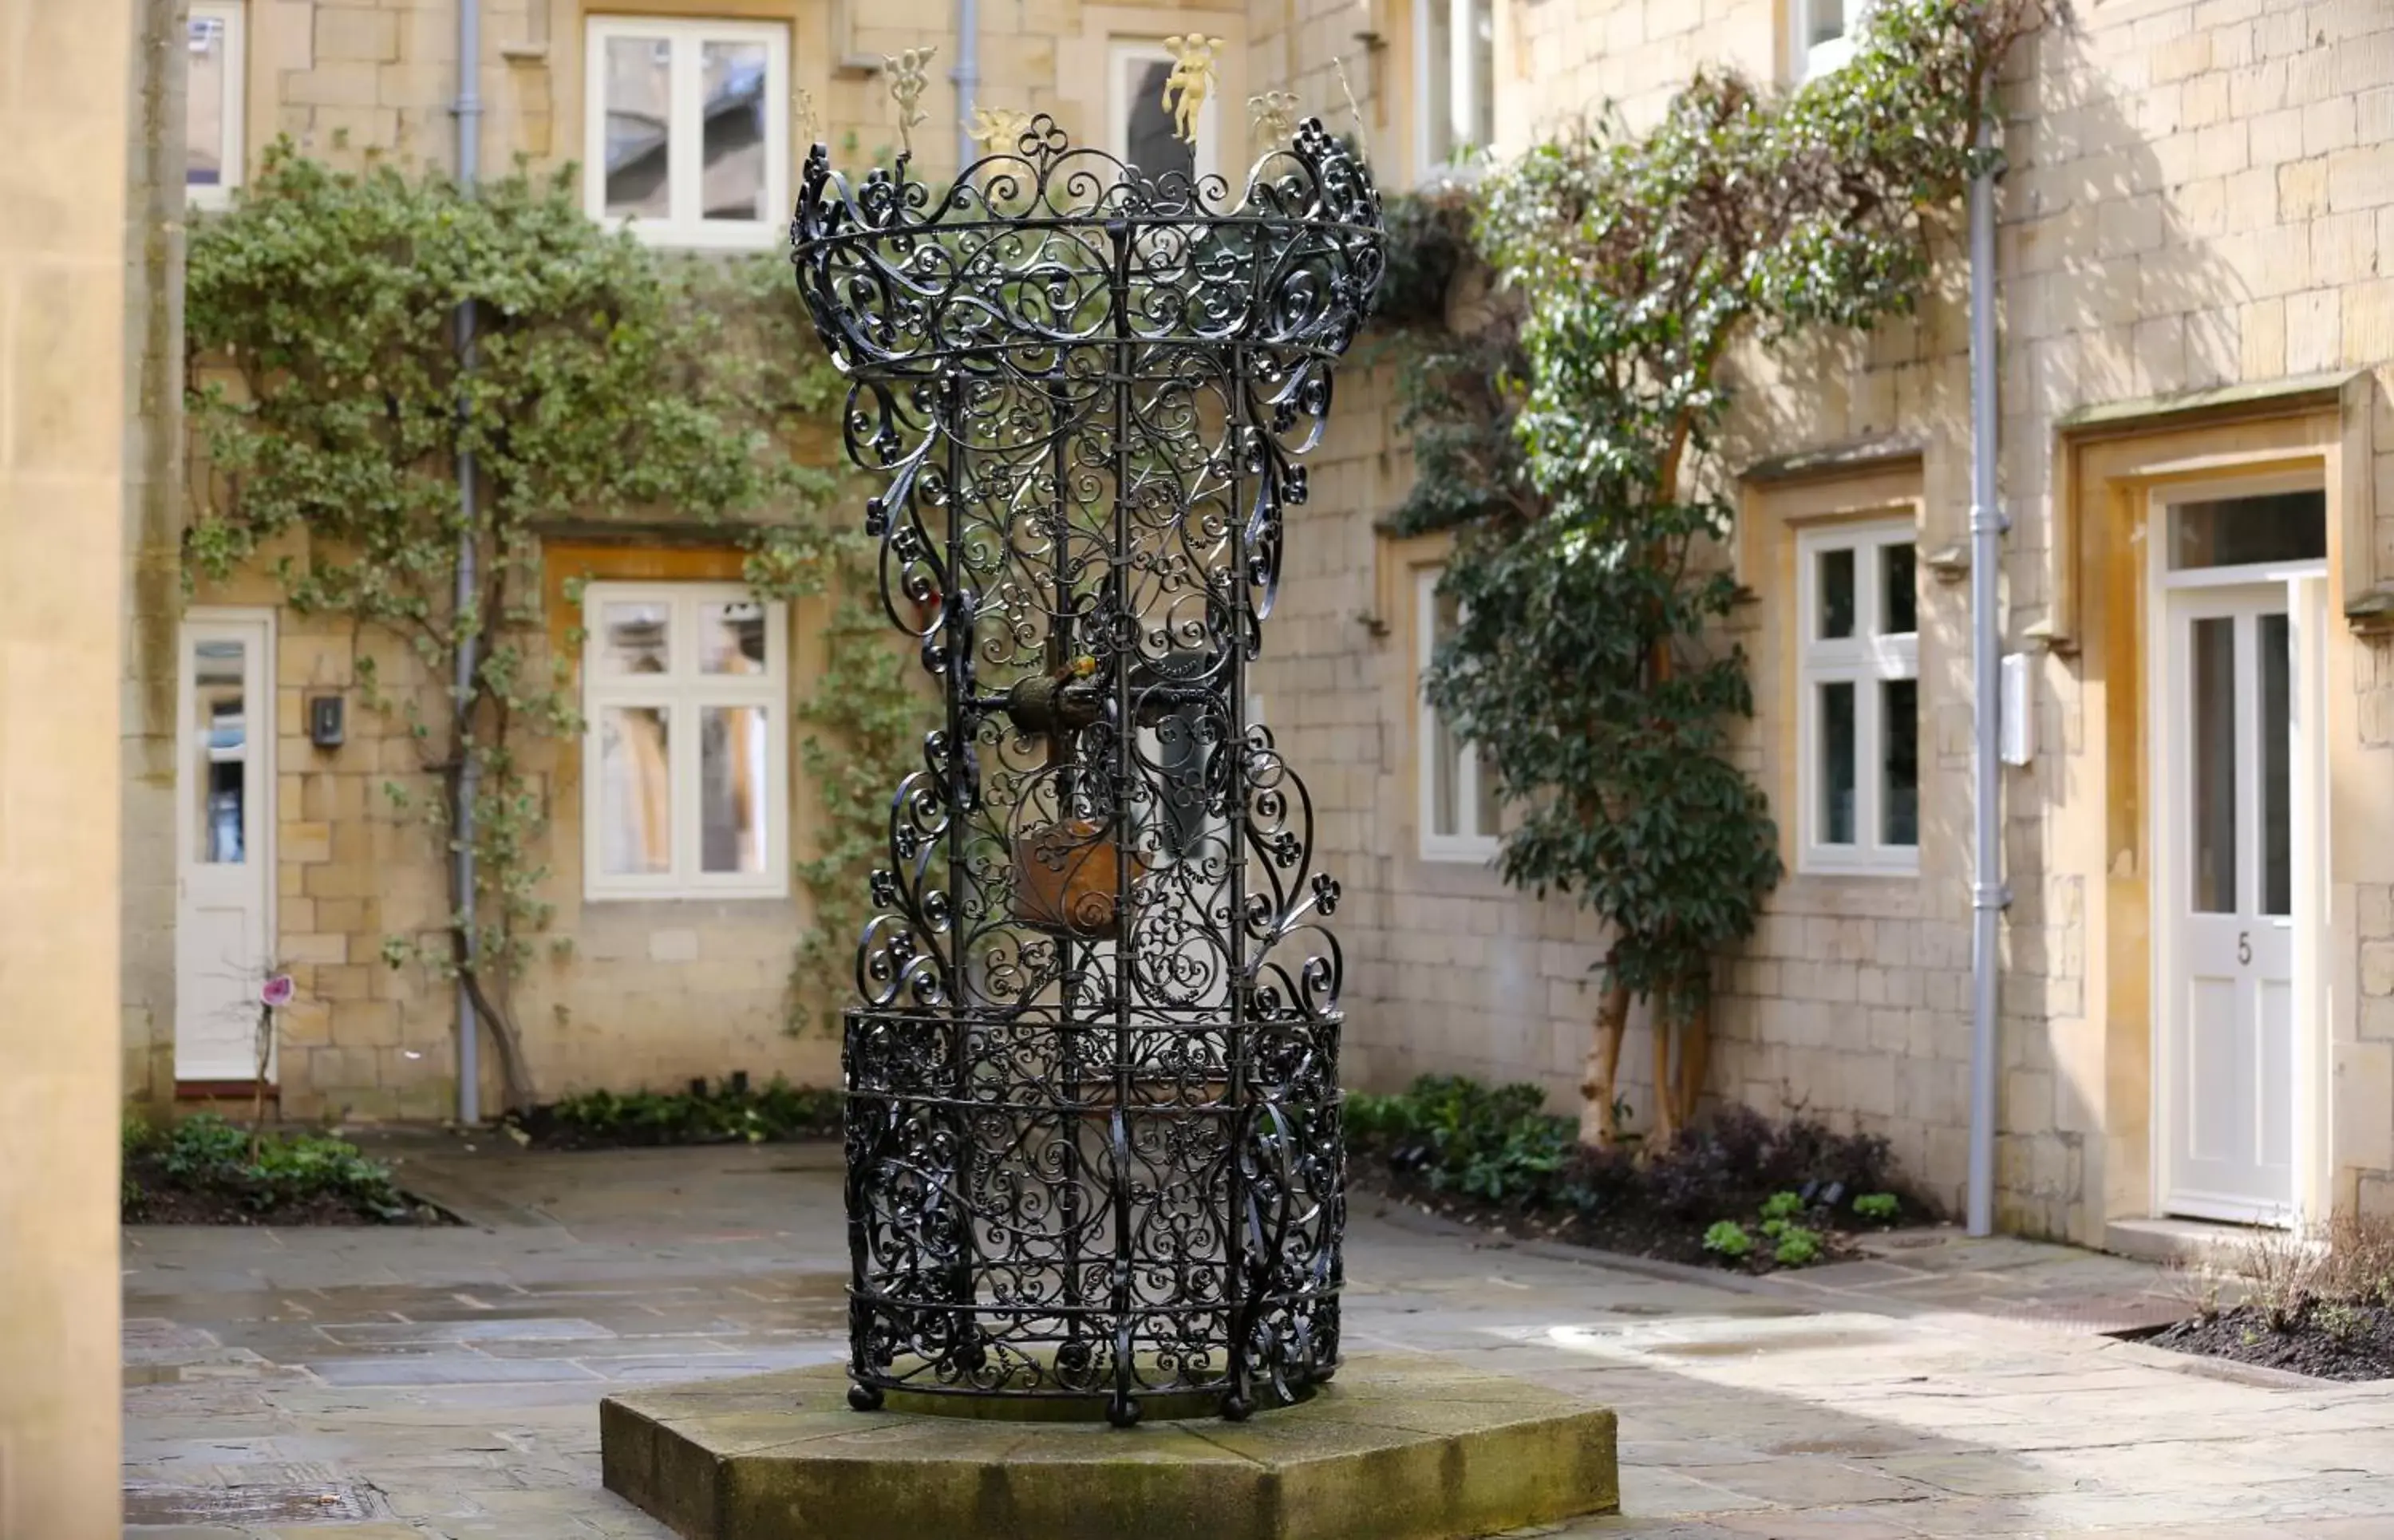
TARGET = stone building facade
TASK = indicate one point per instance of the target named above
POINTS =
(2195, 341)
(2195, 327)
(255, 845)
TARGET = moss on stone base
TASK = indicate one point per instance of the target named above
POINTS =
(1400, 1447)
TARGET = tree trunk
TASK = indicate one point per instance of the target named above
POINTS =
(1667, 1099)
(1602, 1068)
(1695, 1048)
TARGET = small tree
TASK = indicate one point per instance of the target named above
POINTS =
(332, 399)
(1587, 663)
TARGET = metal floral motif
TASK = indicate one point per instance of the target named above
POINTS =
(1093, 1106)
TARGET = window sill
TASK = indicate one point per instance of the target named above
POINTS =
(728, 236)
(613, 894)
(1460, 852)
(1819, 864)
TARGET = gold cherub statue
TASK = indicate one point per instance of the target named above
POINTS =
(1272, 117)
(995, 127)
(906, 82)
(1192, 80)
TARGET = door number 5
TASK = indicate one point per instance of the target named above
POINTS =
(2244, 946)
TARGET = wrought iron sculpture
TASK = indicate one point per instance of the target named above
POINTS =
(1092, 1110)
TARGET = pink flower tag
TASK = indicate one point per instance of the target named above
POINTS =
(277, 990)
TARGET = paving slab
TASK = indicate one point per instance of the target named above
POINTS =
(1941, 1388)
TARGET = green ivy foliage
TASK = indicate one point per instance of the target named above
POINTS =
(609, 382)
(1572, 441)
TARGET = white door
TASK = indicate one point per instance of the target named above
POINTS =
(2239, 755)
(224, 785)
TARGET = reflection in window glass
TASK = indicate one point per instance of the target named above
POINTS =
(1898, 612)
(731, 639)
(1484, 788)
(639, 126)
(732, 788)
(207, 104)
(222, 735)
(1148, 139)
(1824, 21)
(1836, 600)
(2213, 671)
(636, 794)
(732, 179)
(1837, 753)
(634, 639)
(2277, 769)
(2235, 531)
(1899, 728)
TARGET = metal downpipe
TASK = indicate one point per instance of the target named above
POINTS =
(469, 155)
(1988, 895)
(966, 74)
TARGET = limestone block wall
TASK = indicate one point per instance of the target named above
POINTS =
(348, 80)
(620, 995)
(66, 112)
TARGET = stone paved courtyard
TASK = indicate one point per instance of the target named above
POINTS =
(380, 1384)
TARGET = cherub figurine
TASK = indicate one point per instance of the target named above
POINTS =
(1191, 82)
(906, 82)
(995, 127)
(1272, 117)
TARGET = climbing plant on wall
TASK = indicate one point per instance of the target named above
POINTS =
(609, 384)
(1570, 443)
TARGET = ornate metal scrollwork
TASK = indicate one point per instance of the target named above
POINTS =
(1093, 1106)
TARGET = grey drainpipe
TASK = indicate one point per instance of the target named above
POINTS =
(967, 75)
(1988, 895)
(469, 155)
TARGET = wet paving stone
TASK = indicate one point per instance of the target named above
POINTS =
(443, 1369)
(375, 1333)
(254, 1504)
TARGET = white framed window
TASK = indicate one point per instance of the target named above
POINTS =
(213, 102)
(1822, 34)
(1139, 127)
(685, 755)
(1858, 703)
(1454, 82)
(684, 140)
(1458, 788)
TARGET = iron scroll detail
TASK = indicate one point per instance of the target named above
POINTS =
(1093, 1115)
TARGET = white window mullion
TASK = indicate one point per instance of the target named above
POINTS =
(684, 693)
(687, 152)
(1461, 40)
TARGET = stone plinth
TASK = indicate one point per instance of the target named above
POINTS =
(1399, 1447)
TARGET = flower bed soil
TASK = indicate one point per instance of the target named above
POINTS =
(163, 1200)
(1631, 1232)
(542, 1128)
(2327, 1342)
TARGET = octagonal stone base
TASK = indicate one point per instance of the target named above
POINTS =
(1399, 1447)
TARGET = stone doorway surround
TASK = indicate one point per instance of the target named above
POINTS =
(2110, 464)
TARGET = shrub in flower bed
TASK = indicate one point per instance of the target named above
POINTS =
(1739, 1190)
(2320, 1304)
(207, 1170)
(730, 1111)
